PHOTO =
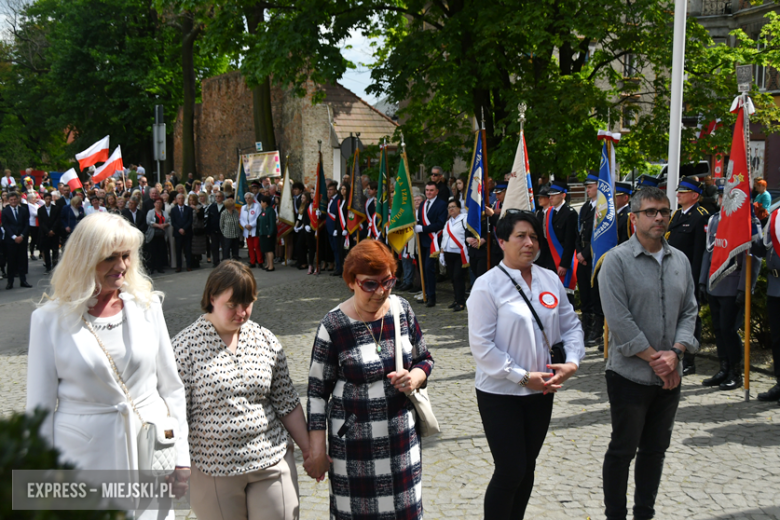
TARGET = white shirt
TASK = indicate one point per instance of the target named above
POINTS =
(140, 170)
(114, 335)
(458, 228)
(89, 210)
(8, 182)
(33, 209)
(503, 335)
(248, 219)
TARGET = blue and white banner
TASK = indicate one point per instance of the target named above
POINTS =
(475, 194)
(605, 233)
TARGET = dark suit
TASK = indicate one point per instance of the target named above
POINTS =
(69, 220)
(147, 205)
(181, 218)
(16, 254)
(444, 191)
(213, 213)
(686, 233)
(582, 245)
(49, 221)
(624, 224)
(437, 218)
(139, 222)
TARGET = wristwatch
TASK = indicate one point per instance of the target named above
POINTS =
(678, 353)
(525, 379)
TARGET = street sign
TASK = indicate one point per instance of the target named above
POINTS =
(744, 77)
(259, 146)
(158, 136)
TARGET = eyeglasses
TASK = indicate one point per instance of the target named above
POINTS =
(371, 285)
(514, 211)
(652, 212)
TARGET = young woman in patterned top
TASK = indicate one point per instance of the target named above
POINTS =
(241, 405)
(356, 395)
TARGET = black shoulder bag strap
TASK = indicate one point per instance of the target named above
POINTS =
(533, 311)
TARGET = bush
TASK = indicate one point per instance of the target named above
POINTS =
(21, 447)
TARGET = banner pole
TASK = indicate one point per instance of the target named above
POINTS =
(606, 340)
(748, 285)
(420, 265)
(485, 177)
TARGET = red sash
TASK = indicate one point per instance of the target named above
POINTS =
(343, 223)
(434, 236)
(464, 257)
(773, 228)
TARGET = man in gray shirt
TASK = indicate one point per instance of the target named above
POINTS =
(647, 295)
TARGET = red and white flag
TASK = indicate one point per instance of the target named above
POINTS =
(734, 233)
(519, 191)
(107, 169)
(71, 178)
(96, 153)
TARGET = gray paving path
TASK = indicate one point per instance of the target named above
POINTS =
(724, 461)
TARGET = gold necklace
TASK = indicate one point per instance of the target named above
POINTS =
(381, 327)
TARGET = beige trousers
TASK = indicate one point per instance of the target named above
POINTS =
(266, 494)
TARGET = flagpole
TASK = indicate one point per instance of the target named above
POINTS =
(748, 257)
(317, 188)
(606, 340)
(485, 176)
(416, 236)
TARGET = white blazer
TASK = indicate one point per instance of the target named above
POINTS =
(94, 425)
(248, 219)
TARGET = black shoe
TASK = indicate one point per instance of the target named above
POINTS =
(718, 378)
(402, 287)
(431, 303)
(689, 368)
(773, 394)
(335, 273)
(452, 305)
(732, 382)
(9, 285)
(33, 258)
(25, 285)
(252, 266)
(458, 307)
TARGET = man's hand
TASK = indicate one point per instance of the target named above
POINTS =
(664, 362)
(581, 259)
(471, 241)
(51, 233)
(671, 381)
(489, 211)
(18, 240)
(307, 228)
(344, 233)
(181, 231)
(562, 271)
(418, 228)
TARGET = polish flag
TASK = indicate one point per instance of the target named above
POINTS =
(71, 178)
(108, 168)
(96, 153)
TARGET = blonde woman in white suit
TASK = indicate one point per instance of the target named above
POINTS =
(99, 285)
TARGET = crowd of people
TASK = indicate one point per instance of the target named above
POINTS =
(517, 280)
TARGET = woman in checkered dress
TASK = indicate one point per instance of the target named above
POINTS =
(355, 394)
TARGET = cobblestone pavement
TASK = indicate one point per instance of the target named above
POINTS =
(724, 461)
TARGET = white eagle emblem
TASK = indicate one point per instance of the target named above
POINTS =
(733, 198)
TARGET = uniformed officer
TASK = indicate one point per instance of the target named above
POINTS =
(542, 202)
(560, 230)
(645, 181)
(709, 194)
(623, 194)
(493, 213)
(773, 300)
(585, 256)
(687, 233)
(727, 306)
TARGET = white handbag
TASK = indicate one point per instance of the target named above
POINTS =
(157, 439)
(419, 398)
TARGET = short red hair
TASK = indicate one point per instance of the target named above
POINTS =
(761, 182)
(369, 257)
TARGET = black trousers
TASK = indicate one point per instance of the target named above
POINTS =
(586, 292)
(430, 268)
(183, 243)
(34, 240)
(727, 317)
(158, 254)
(336, 244)
(515, 428)
(216, 243)
(50, 247)
(477, 261)
(773, 311)
(229, 247)
(457, 274)
(16, 255)
(305, 248)
(642, 419)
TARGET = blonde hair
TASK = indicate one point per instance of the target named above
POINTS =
(96, 238)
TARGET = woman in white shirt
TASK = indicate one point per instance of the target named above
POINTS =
(7, 181)
(515, 379)
(94, 207)
(454, 254)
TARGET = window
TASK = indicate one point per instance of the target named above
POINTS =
(630, 66)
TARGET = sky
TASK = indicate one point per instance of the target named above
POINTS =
(357, 80)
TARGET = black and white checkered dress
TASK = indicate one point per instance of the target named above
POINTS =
(377, 470)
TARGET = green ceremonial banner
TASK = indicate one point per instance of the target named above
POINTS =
(402, 219)
(382, 192)
(241, 186)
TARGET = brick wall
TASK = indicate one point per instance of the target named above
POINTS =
(223, 123)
